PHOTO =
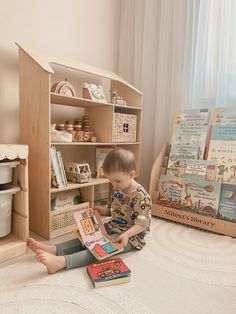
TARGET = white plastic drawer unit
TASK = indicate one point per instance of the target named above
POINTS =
(6, 193)
(6, 171)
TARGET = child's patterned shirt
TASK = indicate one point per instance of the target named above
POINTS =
(129, 209)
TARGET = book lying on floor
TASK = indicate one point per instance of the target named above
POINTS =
(108, 273)
(93, 235)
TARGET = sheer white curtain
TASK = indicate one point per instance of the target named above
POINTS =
(157, 45)
(215, 66)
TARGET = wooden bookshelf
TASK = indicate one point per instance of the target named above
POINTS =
(39, 108)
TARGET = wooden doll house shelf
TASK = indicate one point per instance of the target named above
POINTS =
(181, 216)
(15, 157)
(41, 107)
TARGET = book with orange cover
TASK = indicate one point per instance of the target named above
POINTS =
(109, 272)
(93, 235)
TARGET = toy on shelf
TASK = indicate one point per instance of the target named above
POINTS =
(94, 92)
(64, 88)
(115, 99)
(69, 126)
(78, 172)
(58, 134)
(77, 131)
(82, 131)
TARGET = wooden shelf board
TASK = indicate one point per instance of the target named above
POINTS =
(195, 220)
(11, 246)
(94, 144)
(58, 99)
(72, 186)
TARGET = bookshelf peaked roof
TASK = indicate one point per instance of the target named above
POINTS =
(44, 61)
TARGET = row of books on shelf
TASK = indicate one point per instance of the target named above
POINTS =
(200, 196)
(200, 175)
(200, 134)
(77, 172)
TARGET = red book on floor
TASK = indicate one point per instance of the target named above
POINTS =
(110, 272)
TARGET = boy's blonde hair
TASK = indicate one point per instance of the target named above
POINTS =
(119, 160)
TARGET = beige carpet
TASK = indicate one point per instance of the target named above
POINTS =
(181, 270)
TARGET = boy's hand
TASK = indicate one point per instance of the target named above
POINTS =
(122, 239)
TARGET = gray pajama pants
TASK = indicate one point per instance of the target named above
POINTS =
(77, 255)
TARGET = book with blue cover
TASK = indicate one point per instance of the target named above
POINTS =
(223, 132)
(227, 208)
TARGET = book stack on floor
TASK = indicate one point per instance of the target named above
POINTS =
(200, 174)
(106, 273)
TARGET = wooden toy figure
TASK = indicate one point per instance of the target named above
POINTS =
(115, 99)
(78, 172)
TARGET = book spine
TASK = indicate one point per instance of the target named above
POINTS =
(56, 167)
(62, 168)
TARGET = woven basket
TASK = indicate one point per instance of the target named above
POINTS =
(124, 127)
(62, 220)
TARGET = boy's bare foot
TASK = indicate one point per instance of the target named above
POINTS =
(52, 262)
(35, 245)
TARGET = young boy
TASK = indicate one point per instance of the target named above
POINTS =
(130, 210)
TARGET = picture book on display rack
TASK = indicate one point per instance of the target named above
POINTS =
(93, 235)
(108, 273)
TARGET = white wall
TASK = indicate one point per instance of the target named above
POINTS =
(83, 30)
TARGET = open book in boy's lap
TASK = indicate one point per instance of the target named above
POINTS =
(93, 235)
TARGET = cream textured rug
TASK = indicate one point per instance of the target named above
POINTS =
(181, 271)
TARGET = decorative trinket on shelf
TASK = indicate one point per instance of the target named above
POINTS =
(115, 99)
(79, 131)
(82, 131)
(94, 92)
(69, 126)
(64, 88)
(78, 172)
(58, 134)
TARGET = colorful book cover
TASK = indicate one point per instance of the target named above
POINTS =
(107, 272)
(170, 190)
(185, 134)
(180, 152)
(192, 116)
(221, 116)
(227, 208)
(93, 234)
(224, 154)
(202, 169)
(101, 153)
(201, 196)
